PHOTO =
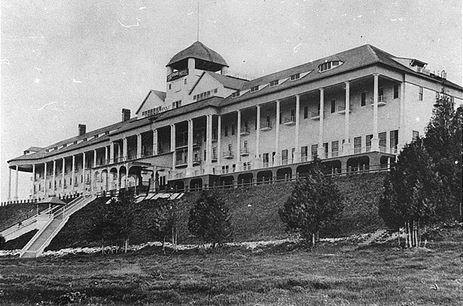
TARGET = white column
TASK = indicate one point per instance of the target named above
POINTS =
(172, 144)
(257, 157)
(53, 183)
(208, 168)
(16, 183)
(83, 171)
(277, 160)
(73, 171)
(402, 127)
(106, 155)
(139, 145)
(189, 170)
(219, 139)
(297, 151)
(33, 181)
(155, 142)
(9, 184)
(321, 152)
(111, 152)
(45, 185)
(375, 139)
(347, 147)
(94, 158)
(63, 170)
(124, 149)
(238, 140)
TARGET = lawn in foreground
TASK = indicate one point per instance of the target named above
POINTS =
(281, 275)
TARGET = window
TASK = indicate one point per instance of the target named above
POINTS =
(306, 112)
(281, 118)
(333, 106)
(254, 88)
(229, 147)
(396, 91)
(284, 156)
(265, 159)
(394, 139)
(380, 93)
(295, 76)
(184, 81)
(334, 148)
(236, 94)
(170, 86)
(368, 142)
(382, 141)
(225, 130)
(415, 135)
(314, 150)
(325, 149)
(274, 83)
(304, 153)
(357, 145)
(233, 129)
(268, 120)
(363, 99)
(329, 65)
(216, 90)
(420, 94)
(245, 146)
(177, 104)
(293, 114)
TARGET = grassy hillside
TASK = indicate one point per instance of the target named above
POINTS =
(254, 213)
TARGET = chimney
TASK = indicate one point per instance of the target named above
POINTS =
(125, 114)
(82, 129)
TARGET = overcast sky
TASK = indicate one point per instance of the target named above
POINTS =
(70, 62)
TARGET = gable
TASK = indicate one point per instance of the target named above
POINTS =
(152, 104)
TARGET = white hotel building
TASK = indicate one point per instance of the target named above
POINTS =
(355, 110)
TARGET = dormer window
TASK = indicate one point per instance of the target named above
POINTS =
(236, 94)
(329, 65)
(254, 88)
(274, 83)
(295, 76)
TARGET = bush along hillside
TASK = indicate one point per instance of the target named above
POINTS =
(254, 214)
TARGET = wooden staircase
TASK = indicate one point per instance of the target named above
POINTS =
(38, 243)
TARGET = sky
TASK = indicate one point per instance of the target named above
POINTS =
(82, 61)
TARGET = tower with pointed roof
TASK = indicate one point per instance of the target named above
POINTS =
(186, 67)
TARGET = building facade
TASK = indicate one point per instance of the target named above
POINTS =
(355, 110)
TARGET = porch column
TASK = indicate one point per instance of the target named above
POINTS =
(94, 158)
(9, 184)
(139, 145)
(126, 178)
(33, 181)
(238, 140)
(155, 142)
(257, 157)
(219, 139)
(106, 161)
(208, 168)
(189, 170)
(375, 139)
(111, 152)
(172, 144)
(347, 148)
(124, 149)
(297, 151)
(83, 171)
(16, 183)
(321, 152)
(73, 171)
(45, 186)
(277, 160)
(402, 133)
(53, 184)
(63, 172)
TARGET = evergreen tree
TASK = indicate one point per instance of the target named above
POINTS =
(443, 142)
(315, 204)
(210, 220)
(160, 222)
